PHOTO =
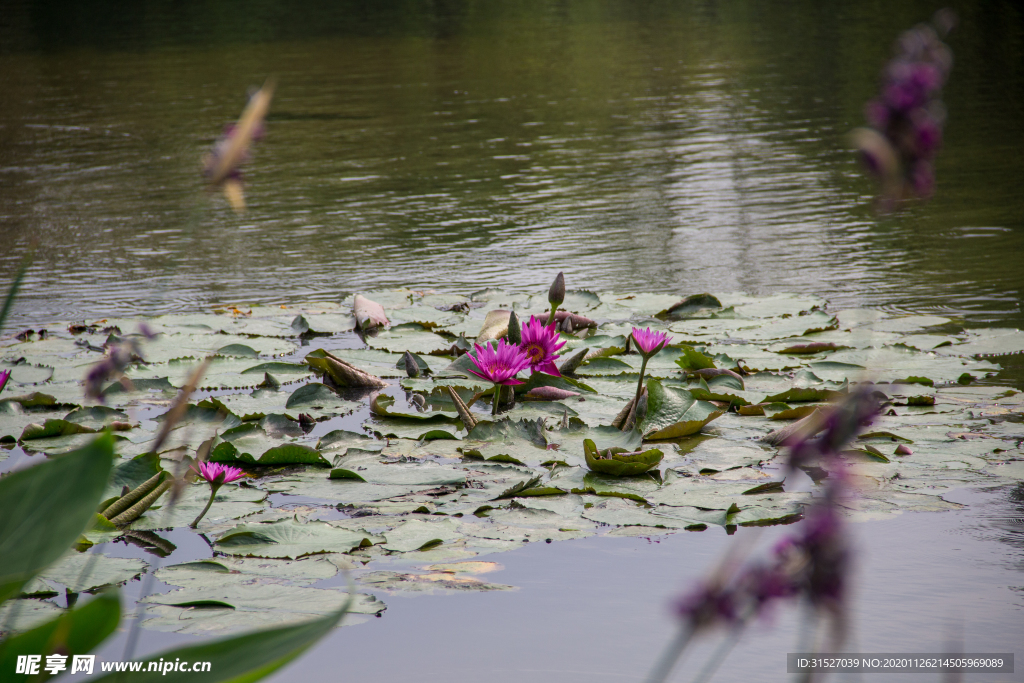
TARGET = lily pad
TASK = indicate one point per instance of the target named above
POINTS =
(619, 462)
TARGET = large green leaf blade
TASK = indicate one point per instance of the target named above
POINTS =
(75, 632)
(44, 509)
(240, 659)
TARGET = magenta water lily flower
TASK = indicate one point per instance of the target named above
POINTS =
(217, 475)
(648, 342)
(214, 472)
(540, 344)
(498, 364)
(4, 376)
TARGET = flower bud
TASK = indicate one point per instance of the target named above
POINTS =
(412, 368)
(556, 295)
(515, 329)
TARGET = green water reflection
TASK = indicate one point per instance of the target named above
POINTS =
(659, 146)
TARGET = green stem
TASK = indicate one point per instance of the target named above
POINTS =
(551, 318)
(640, 384)
(670, 656)
(213, 492)
(497, 399)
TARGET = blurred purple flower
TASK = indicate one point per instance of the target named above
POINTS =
(906, 118)
(4, 376)
(540, 344)
(707, 606)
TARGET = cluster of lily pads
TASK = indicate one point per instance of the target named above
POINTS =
(378, 436)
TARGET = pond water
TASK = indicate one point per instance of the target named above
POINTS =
(657, 146)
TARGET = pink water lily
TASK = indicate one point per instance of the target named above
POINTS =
(540, 344)
(217, 475)
(4, 376)
(649, 342)
(499, 364)
(211, 471)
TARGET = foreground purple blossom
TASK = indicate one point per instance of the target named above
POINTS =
(217, 475)
(4, 376)
(498, 364)
(540, 344)
(813, 562)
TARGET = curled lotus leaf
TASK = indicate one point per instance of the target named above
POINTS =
(577, 321)
(618, 461)
(688, 307)
(384, 406)
(812, 347)
(341, 372)
(495, 325)
(550, 393)
(369, 314)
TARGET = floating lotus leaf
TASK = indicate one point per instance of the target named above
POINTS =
(418, 534)
(318, 399)
(412, 429)
(801, 394)
(997, 342)
(409, 337)
(52, 428)
(338, 442)
(96, 417)
(384, 406)
(620, 462)
(277, 368)
(673, 412)
(78, 572)
(425, 475)
(231, 502)
(287, 538)
(691, 359)
(432, 583)
(25, 373)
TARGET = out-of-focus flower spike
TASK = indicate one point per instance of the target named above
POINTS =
(228, 156)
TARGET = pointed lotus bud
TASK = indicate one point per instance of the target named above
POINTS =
(567, 324)
(412, 368)
(515, 329)
(556, 295)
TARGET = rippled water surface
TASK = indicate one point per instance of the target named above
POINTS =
(667, 146)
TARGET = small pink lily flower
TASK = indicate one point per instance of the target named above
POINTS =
(539, 344)
(217, 475)
(649, 342)
(4, 376)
